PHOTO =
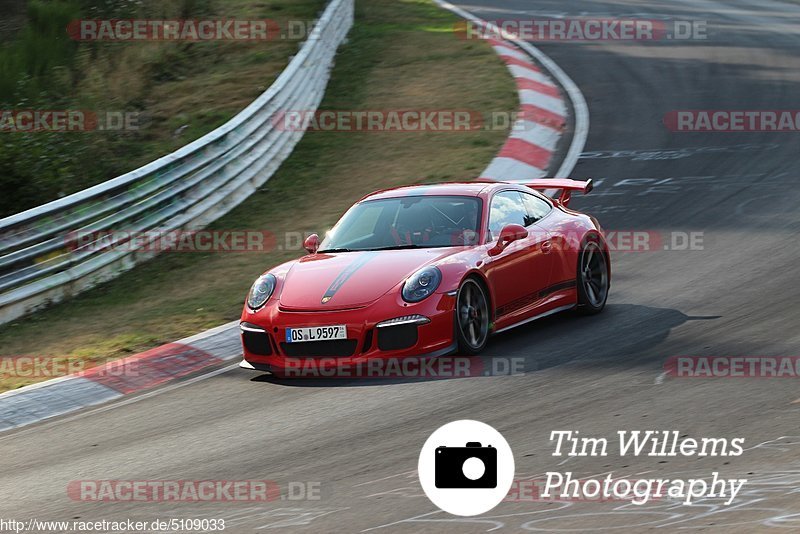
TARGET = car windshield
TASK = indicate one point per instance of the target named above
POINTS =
(406, 222)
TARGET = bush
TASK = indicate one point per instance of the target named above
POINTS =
(43, 69)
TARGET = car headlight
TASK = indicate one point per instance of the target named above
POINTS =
(261, 291)
(422, 284)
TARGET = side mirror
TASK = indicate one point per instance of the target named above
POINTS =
(509, 234)
(311, 244)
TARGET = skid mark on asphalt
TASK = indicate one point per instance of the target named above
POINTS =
(782, 444)
(661, 154)
(632, 189)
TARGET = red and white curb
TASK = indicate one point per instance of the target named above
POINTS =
(526, 154)
(542, 118)
(544, 108)
(110, 381)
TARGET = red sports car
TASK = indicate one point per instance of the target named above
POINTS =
(427, 270)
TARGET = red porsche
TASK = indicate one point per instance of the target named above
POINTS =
(428, 270)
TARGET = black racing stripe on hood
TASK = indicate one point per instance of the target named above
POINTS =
(345, 275)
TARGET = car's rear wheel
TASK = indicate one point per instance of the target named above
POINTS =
(472, 317)
(592, 278)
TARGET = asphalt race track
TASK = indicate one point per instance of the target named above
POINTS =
(737, 295)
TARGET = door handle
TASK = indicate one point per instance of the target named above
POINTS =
(547, 246)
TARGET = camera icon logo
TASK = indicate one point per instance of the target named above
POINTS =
(472, 466)
(466, 468)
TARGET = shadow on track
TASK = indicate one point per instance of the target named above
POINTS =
(624, 335)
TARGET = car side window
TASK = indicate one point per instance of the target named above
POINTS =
(535, 207)
(506, 208)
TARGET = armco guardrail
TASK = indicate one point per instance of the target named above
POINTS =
(184, 190)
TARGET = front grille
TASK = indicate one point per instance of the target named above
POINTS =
(367, 342)
(337, 348)
(256, 343)
(398, 337)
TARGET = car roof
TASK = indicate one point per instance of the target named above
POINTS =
(471, 189)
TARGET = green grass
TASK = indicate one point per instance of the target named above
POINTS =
(40, 47)
(180, 90)
(410, 64)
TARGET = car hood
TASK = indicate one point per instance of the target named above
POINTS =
(351, 279)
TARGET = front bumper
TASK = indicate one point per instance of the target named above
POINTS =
(427, 329)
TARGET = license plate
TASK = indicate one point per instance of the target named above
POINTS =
(316, 333)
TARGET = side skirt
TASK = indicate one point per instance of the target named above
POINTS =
(536, 317)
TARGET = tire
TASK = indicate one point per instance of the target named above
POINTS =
(592, 278)
(472, 317)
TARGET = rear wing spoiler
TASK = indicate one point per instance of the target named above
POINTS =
(565, 185)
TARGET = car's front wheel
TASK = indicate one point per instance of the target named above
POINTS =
(592, 278)
(472, 317)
